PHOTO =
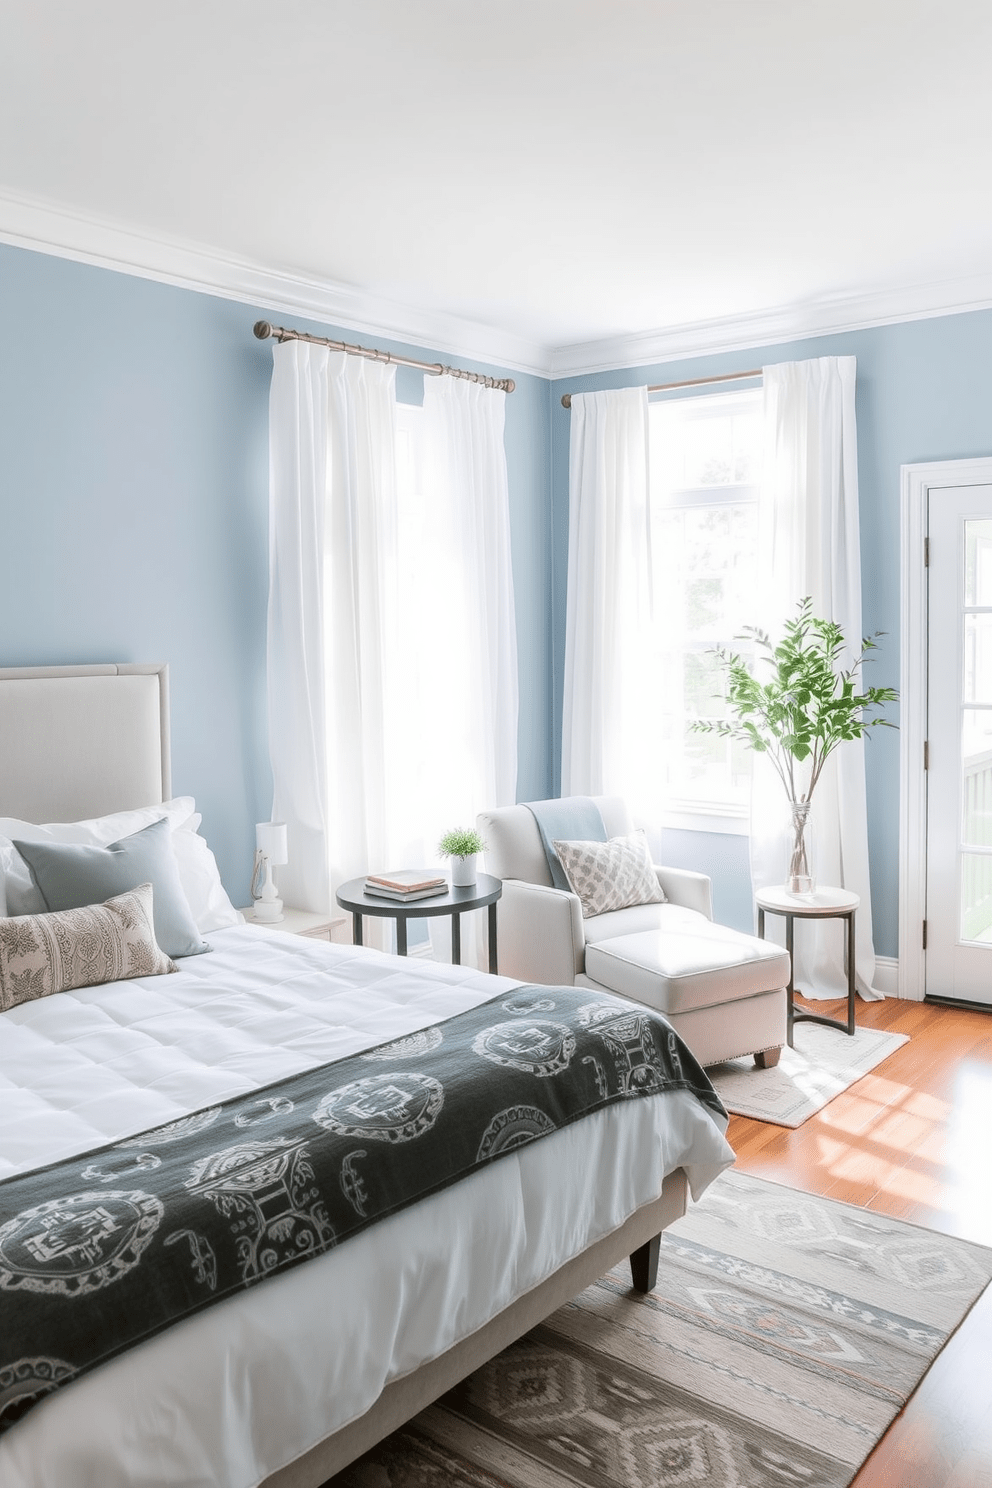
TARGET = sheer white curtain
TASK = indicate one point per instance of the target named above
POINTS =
(392, 662)
(809, 544)
(332, 542)
(609, 592)
(455, 699)
(359, 598)
(465, 463)
(296, 641)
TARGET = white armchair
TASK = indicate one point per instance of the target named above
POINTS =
(723, 991)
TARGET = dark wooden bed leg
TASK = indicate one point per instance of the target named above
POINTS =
(644, 1265)
(768, 1058)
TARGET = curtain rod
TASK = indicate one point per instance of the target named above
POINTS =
(263, 330)
(667, 387)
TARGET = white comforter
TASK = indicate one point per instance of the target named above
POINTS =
(232, 1394)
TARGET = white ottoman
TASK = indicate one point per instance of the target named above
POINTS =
(724, 992)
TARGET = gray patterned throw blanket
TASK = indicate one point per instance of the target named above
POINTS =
(103, 1250)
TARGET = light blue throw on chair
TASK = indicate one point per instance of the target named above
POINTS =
(573, 819)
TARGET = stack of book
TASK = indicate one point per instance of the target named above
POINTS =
(407, 884)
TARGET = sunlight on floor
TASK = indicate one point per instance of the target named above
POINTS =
(850, 1113)
(968, 1143)
(917, 1148)
(890, 1093)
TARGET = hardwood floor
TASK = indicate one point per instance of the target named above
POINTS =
(914, 1140)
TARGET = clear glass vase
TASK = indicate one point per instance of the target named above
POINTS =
(799, 879)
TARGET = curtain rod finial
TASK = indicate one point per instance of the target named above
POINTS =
(566, 400)
(262, 330)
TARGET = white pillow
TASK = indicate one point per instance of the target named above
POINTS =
(200, 878)
(208, 903)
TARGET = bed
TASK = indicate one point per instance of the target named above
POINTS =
(290, 1380)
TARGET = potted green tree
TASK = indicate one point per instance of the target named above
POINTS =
(461, 845)
(803, 707)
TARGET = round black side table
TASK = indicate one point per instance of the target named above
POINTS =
(485, 891)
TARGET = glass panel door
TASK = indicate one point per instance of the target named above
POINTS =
(959, 804)
(975, 888)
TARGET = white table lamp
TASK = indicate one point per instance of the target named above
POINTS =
(270, 850)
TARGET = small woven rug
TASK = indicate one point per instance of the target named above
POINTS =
(784, 1334)
(824, 1062)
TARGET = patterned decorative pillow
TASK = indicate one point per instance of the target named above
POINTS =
(610, 875)
(46, 953)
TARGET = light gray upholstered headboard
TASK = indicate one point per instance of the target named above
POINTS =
(82, 741)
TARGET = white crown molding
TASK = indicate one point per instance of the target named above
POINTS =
(851, 312)
(46, 228)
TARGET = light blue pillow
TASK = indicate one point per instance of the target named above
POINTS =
(71, 876)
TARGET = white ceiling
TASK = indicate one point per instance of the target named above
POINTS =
(561, 171)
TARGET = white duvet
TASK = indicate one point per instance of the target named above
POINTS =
(225, 1398)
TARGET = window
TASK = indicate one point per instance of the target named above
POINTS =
(705, 459)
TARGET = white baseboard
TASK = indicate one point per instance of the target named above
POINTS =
(887, 975)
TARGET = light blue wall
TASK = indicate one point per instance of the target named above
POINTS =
(924, 392)
(133, 527)
(133, 475)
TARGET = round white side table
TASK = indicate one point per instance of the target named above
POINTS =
(822, 904)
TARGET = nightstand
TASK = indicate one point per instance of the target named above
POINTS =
(459, 897)
(301, 922)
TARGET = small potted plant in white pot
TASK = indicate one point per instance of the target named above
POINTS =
(461, 845)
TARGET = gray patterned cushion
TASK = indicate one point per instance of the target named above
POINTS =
(611, 875)
(45, 953)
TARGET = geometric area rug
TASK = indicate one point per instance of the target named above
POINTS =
(784, 1334)
(824, 1062)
